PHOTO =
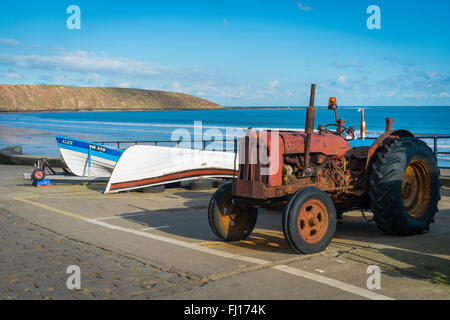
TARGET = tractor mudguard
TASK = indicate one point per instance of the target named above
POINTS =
(386, 138)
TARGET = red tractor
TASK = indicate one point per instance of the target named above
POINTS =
(317, 176)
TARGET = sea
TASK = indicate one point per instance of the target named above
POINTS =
(36, 131)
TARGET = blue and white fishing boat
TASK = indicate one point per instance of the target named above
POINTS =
(88, 159)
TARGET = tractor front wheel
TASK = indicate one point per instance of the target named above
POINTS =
(228, 220)
(404, 187)
(309, 220)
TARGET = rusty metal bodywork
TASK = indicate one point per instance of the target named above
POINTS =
(337, 169)
(284, 148)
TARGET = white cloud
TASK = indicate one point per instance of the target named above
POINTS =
(302, 7)
(432, 74)
(342, 79)
(124, 85)
(272, 85)
(81, 61)
(444, 95)
(10, 42)
(12, 75)
(176, 86)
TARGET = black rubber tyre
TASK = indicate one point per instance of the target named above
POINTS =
(309, 220)
(38, 175)
(228, 221)
(220, 183)
(404, 187)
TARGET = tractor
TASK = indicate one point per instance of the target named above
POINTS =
(316, 176)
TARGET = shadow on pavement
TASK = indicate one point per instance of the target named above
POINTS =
(426, 255)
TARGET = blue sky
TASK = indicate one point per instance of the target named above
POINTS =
(244, 52)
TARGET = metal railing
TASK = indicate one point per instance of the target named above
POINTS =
(160, 142)
(435, 147)
(205, 143)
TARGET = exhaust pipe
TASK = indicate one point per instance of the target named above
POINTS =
(363, 125)
(309, 124)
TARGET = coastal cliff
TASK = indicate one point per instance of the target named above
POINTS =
(22, 98)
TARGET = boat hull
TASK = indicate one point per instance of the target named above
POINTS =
(143, 166)
(88, 159)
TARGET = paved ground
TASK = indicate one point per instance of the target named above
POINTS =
(135, 245)
(34, 260)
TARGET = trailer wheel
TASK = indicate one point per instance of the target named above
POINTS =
(404, 187)
(38, 175)
(309, 220)
(228, 221)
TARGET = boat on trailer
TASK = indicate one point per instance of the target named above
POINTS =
(88, 159)
(141, 166)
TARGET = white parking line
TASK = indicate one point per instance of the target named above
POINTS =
(154, 228)
(333, 283)
(179, 242)
(121, 216)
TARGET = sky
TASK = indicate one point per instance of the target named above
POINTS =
(236, 53)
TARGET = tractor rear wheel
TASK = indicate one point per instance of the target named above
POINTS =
(404, 187)
(309, 220)
(229, 221)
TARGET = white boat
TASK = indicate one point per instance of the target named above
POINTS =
(87, 159)
(143, 166)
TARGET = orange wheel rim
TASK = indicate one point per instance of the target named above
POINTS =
(416, 188)
(227, 215)
(312, 221)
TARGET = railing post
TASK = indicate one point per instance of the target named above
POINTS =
(435, 145)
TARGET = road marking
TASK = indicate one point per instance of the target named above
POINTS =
(154, 228)
(44, 206)
(180, 243)
(332, 283)
(293, 271)
(270, 233)
(121, 216)
(318, 270)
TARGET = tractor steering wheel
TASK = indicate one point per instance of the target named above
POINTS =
(338, 133)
